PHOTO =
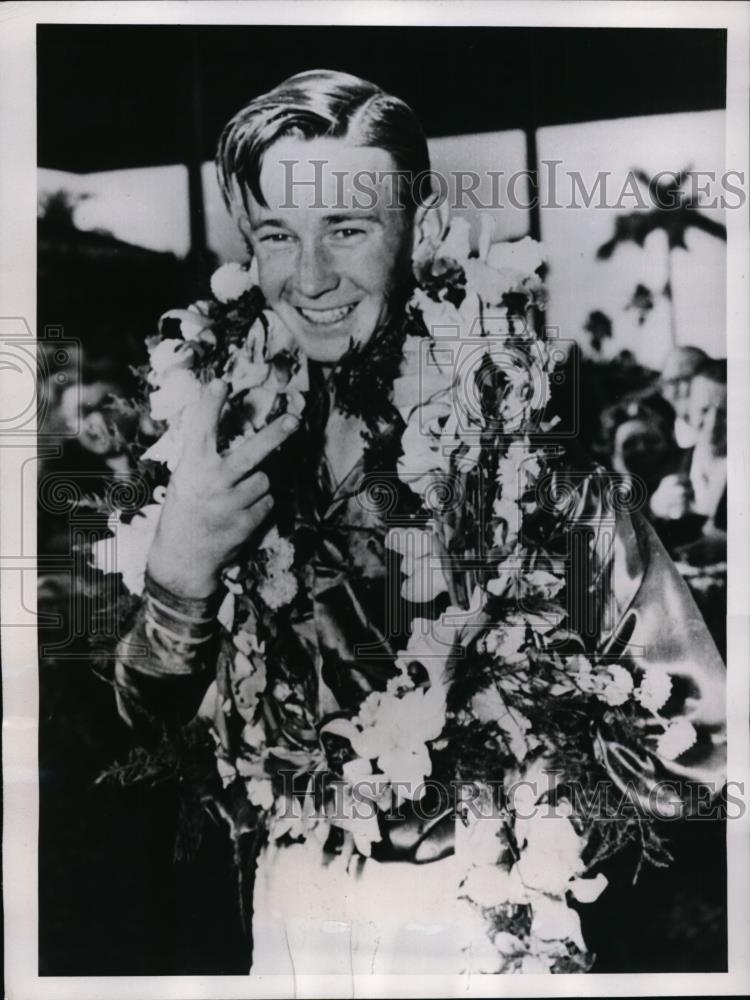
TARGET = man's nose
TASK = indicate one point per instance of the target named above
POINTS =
(315, 272)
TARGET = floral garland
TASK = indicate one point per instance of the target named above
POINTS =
(492, 695)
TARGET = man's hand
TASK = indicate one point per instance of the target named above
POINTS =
(214, 502)
(673, 498)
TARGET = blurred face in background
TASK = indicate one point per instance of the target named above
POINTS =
(83, 409)
(708, 414)
(641, 448)
(676, 391)
(678, 369)
(332, 261)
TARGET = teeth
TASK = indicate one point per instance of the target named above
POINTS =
(323, 317)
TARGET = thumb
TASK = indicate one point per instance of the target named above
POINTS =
(203, 420)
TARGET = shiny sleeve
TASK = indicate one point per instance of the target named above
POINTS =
(167, 660)
(657, 624)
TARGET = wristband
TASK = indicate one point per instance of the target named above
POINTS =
(177, 627)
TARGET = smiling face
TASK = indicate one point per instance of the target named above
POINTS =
(708, 414)
(333, 257)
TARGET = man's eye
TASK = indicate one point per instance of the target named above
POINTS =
(275, 238)
(348, 232)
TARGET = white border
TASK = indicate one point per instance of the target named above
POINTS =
(17, 295)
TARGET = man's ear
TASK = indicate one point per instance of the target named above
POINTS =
(430, 226)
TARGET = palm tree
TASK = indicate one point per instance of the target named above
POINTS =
(673, 212)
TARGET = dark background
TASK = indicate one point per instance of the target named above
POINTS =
(112, 902)
(113, 96)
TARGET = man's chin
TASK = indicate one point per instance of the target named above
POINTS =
(328, 349)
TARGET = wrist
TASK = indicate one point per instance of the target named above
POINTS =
(189, 583)
(179, 628)
(191, 607)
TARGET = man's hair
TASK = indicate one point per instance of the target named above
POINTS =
(682, 363)
(649, 407)
(322, 104)
(714, 370)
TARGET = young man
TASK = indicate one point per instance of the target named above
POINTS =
(317, 169)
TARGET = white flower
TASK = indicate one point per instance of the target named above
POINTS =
(260, 792)
(457, 242)
(580, 668)
(508, 944)
(359, 818)
(587, 890)
(298, 820)
(678, 737)
(246, 367)
(278, 590)
(526, 388)
(248, 678)
(554, 920)
(533, 965)
(231, 281)
(481, 955)
(431, 643)
(225, 614)
(394, 726)
(254, 735)
(540, 583)
(526, 786)
(618, 688)
(517, 472)
(127, 552)
(489, 283)
(492, 885)
(551, 854)
(483, 840)
(654, 689)
(167, 355)
(279, 336)
(424, 460)
(227, 771)
(523, 256)
(506, 581)
(515, 726)
(279, 551)
(279, 585)
(509, 513)
(281, 691)
(247, 642)
(399, 728)
(445, 323)
(425, 372)
(420, 562)
(457, 440)
(178, 389)
(489, 705)
(192, 323)
(505, 643)
(168, 448)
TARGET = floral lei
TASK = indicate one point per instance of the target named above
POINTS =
(471, 384)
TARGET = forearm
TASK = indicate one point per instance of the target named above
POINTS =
(167, 660)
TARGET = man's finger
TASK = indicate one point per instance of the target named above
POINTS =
(245, 457)
(250, 490)
(250, 519)
(202, 421)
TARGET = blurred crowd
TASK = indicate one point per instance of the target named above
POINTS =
(672, 436)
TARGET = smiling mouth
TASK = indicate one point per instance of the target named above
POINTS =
(326, 317)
